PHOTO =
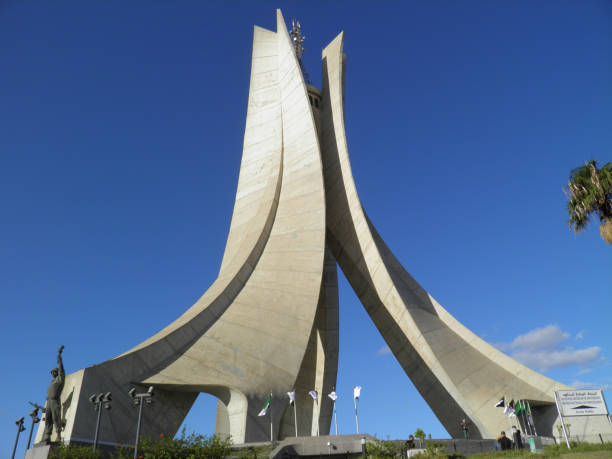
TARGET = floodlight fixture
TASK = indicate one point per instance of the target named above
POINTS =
(35, 420)
(99, 399)
(20, 428)
(138, 401)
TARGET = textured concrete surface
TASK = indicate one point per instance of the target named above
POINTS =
(339, 445)
(38, 452)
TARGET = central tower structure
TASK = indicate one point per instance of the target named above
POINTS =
(269, 322)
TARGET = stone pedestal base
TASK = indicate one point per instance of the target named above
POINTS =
(38, 452)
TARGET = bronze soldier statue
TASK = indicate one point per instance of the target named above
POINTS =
(53, 410)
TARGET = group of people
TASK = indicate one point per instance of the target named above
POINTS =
(503, 442)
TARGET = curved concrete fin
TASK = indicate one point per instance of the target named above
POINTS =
(320, 364)
(261, 326)
(458, 374)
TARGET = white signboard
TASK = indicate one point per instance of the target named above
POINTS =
(582, 402)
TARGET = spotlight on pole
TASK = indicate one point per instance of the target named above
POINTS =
(99, 400)
(35, 420)
(20, 428)
(106, 399)
(139, 401)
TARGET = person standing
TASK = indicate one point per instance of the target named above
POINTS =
(516, 436)
(464, 427)
(53, 409)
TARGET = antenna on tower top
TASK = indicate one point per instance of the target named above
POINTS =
(298, 39)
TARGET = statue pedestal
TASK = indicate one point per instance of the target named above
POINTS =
(38, 452)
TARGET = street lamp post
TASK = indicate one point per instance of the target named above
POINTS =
(20, 428)
(139, 401)
(99, 400)
(35, 420)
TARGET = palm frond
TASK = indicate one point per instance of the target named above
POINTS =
(589, 191)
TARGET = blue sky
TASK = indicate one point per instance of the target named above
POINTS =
(121, 129)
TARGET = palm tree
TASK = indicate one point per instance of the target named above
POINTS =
(590, 192)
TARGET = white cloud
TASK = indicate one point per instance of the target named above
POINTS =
(384, 350)
(552, 358)
(540, 338)
(584, 371)
(543, 349)
(579, 335)
(590, 385)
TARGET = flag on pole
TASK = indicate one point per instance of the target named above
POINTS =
(528, 411)
(356, 392)
(518, 409)
(509, 410)
(500, 404)
(264, 410)
(314, 394)
(291, 397)
(333, 395)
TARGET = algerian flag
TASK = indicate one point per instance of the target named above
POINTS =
(333, 395)
(519, 408)
(500, 404)
(264, 410)
(356, 391)
(291, 397)
(509, 410)
(314, 394)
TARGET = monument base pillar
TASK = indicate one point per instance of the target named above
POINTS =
(39, 451)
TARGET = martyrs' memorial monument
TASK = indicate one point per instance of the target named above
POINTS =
(269, 321)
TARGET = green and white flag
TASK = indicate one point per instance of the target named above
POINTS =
(291, 397)
(500, 404)
(264, 410)
(509, 410)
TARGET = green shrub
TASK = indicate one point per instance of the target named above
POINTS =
(190, 446)
(385, 449)
(62, 451)
(561, 448)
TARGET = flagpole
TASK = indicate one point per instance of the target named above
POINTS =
(520, 417)
(317, 418)
(336, 417)
(355, 400)
(527, 419)
(531, 418)
(295, 415)
(527, 428)
(511, 412)
(562, 422)
(271, 428)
